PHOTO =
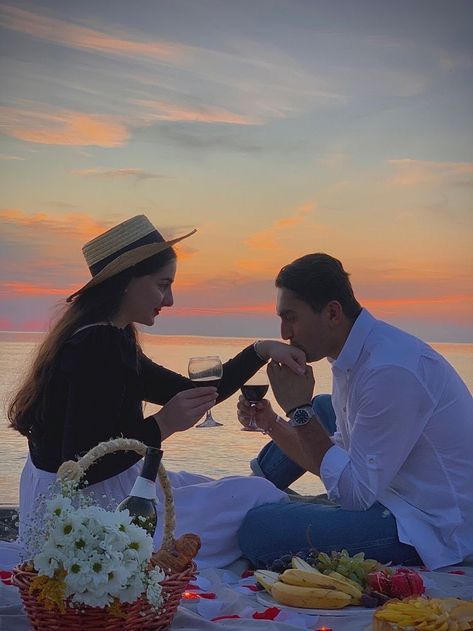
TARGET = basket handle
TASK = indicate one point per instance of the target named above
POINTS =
(75, 470)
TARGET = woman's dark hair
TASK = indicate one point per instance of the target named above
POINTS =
(317, 279)
(97, 304)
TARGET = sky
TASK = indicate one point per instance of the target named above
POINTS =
(275, 127)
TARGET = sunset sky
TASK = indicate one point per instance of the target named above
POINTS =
(276, 127)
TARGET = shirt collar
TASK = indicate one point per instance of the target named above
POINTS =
(355, 341)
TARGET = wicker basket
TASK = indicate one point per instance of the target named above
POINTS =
(139, 615)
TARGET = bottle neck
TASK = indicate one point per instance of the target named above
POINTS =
(151, 464)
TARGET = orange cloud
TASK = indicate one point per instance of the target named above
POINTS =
(416, 172)
(29, 289)
(63, 127)
(269, 239)
(73, 225)
(83, 38)
(4, 156)
(162, 110)
(138, 174)
(261, 310)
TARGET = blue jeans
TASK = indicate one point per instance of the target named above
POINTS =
(272, 530)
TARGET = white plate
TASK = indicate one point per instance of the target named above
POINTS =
(266, 599)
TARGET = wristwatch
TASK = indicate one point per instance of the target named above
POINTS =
(301, 416)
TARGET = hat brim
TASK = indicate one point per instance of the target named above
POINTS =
(127, 260)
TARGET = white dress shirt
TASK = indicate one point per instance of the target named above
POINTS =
(404, 438)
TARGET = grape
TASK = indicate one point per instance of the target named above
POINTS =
(281, 564)
(356, 568)
(277, 566)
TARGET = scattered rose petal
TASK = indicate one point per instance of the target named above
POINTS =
(268, 614)
(5, 577)
(255, 588)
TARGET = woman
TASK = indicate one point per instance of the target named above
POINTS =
(90, 378)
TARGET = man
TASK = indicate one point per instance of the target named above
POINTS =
(394, 453)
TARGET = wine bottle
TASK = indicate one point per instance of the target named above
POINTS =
(141, 503)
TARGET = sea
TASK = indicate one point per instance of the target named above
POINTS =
(215, 452)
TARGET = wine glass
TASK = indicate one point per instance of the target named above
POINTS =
(206, 371)
(254, 390)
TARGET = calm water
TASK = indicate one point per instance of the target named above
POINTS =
(214, 452)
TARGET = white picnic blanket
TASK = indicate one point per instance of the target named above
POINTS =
(233, 596)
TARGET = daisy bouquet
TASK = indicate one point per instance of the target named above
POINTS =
(86, 555)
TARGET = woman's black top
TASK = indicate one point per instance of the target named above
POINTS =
(96, 393)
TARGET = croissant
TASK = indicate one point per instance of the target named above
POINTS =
(188, 544)
(178, 559)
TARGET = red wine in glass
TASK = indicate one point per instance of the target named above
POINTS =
(206, 371)
(206, 381)
(254, 393)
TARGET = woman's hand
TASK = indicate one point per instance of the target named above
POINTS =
(284, 354)
(185, 409)
(264, 414)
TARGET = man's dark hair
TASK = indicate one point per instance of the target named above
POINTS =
(317, 279)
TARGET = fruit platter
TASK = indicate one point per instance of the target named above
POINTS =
(335, 583)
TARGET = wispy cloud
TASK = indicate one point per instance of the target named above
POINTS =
(270, 238)
(30, 226)
(71, 35)
(246, 82)
(252, 309)
(162, 110)
(3, 156)
(110, 174)
(16, 288)
(62, 127)
(411, 173)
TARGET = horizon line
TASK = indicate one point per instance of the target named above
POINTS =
(225, 337)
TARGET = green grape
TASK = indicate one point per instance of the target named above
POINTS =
(324, 558)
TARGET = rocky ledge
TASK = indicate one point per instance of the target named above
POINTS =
(8, 522)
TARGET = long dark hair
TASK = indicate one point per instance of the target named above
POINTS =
(97, 304)
(317, 279)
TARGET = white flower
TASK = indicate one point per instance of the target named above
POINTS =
(141, 542)
(49, 560)
(154, 589)
(134, 589)
(58, 505)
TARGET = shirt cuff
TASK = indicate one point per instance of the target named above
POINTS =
(331, 468)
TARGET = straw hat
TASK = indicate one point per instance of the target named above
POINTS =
(121, 247)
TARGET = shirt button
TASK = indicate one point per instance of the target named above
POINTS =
(344, 409)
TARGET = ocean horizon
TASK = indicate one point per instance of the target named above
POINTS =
(214, 452)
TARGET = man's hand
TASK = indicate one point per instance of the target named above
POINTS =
(263, 413)
(291, 390)
(185, 409)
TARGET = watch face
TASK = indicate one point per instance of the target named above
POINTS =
(301, 416)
